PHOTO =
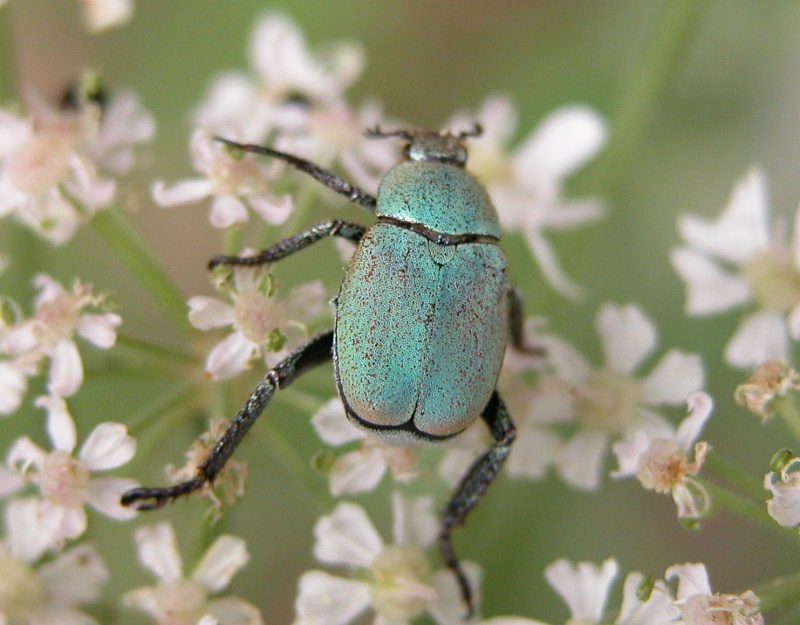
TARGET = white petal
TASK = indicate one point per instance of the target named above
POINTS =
(415, 521)
(305, 302)
(346, 536)
(221, 561)
(66, 370)
(448, 608)
(234, 611)
(628, 336)
(700, 406)
(105, 494)
(206, 313)
(584, 587)
(511, 620)
(184, 192)
(10, 483)
(60, 424)
(103, 14)
(273, 210)
(692, 580)
(13, 385)
(59, 615)
(332, 425)
(792, 321)
(26, 538)
(742, 228)
(25, 452)
(534, 450)
(158, 551)
(327, 600)
(100, 330)
(62, 523)
(675, 376)
(356, 472)
(580, 460)
(544, 255)
(760, 338)
(784, 506)
(75, 576)
(230, 357)
(227, 210)
(107, 447)
(659, 607)
(567, 361)
(561, 143)
(709, 289)
(628, 451)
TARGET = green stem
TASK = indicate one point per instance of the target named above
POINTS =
(779, 593)
(137, 256)
(644, 90)
(176, 400)
(734, 474)
(787, 409)
(756, 512)
(156, 354)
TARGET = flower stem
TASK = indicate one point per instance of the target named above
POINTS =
(787, 409)
(121, 237)
(734, 474)
(736, 503)
(644, 90)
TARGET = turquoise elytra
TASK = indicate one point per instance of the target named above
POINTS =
(420, 333)
(441, 197)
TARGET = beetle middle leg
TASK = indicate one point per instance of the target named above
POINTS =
(474, 484)
(315, 352)
(516, 326)
(282, 249)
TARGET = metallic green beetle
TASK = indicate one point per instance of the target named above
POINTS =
(423, 316)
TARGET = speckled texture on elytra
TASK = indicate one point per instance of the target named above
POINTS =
(444, 198)
(420, 331)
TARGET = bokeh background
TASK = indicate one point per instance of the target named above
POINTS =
(732, 99)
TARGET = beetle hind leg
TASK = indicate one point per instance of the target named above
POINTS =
(472, 487)
(315, 352)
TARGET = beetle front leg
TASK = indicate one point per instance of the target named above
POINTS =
(473, 485)
(282, 249)
(313, 353)
(516, 325)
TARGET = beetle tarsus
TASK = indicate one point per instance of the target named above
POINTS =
(146, 498)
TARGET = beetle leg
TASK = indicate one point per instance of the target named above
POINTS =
(473, 485)
(516, 325)
(282, 249)
(328, 178)
(315, 352)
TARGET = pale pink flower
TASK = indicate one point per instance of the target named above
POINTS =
(394, 580)
(101, 15)
(181, 600)
(59, 316)
(66, 482)
(784, 485)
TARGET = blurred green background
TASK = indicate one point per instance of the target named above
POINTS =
(733, 100)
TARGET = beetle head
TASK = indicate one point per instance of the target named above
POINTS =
(427, 146)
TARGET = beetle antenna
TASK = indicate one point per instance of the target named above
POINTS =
(377, 133)
(477, 131)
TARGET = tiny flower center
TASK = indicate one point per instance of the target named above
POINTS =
(58, 318)
(181, 602)
(663, 466)
(21, 589)
(401, 590)
(256, 316)
(608, 402)
(41, 164)
(237, 176)
(64, 480)
(773, 279)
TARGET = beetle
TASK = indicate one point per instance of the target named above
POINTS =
(422, 319)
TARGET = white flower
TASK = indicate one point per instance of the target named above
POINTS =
(660, 460)
(13, 386)
(178, 600)
(361, 470)
(526, 184)
(65, 482)
(585, 587)
(104, 14)
(609, 401)
(263, 323)
(784, 506)
(698, 606)
(394, 580)
(50, 161)
(58, 317)
(736, 261)
(235, 182)
(48, 593)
